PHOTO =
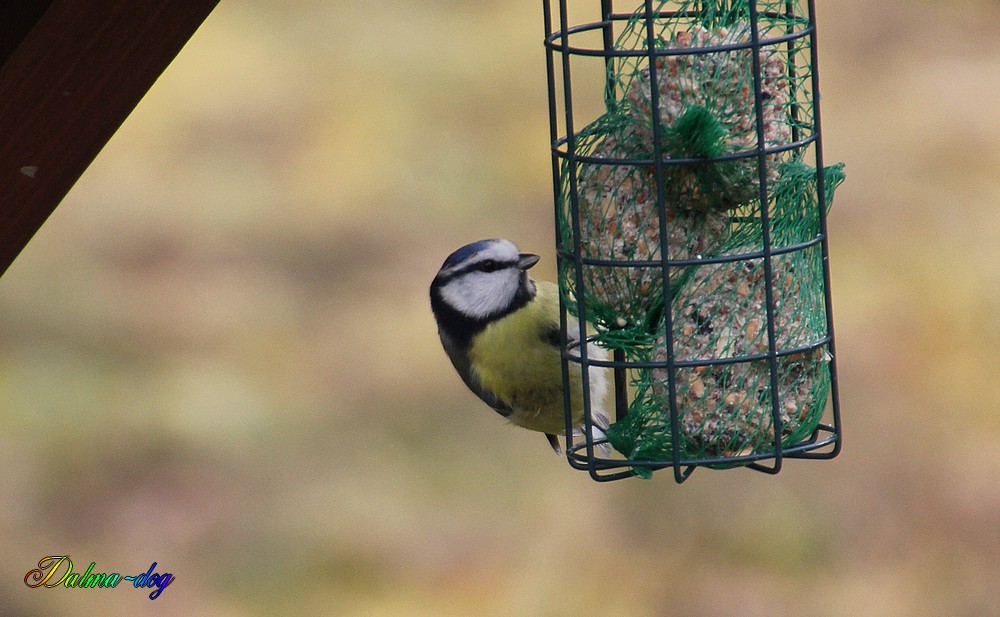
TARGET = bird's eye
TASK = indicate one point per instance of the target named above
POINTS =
(490, 266)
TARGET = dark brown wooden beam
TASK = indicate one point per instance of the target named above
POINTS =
(66, 86)
(18, 18)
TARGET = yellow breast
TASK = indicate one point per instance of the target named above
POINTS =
(516, 360)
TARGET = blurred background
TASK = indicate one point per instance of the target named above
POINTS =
(218, 353)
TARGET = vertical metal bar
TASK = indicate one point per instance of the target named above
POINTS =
(571, 164)
(772, 358)
(553, 138)
(792, 72)
(621, 386)
(610, 97)
(608, 34)
(821, 204)
(658, 164)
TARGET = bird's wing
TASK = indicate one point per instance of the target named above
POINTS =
(464, 368)
(488, 397)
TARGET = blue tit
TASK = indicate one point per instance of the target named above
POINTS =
(501, 330)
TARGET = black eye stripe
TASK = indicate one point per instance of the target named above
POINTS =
(487, 265)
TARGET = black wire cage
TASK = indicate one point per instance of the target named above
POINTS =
(691, 200)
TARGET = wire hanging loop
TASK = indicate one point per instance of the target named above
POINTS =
(691, 233)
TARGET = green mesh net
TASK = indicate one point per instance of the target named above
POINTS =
(720, 313)
(683, 242)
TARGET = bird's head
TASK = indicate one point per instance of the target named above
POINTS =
(484, 280)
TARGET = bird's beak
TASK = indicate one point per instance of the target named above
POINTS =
(527, 260)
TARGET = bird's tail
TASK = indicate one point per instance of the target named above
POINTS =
(599, 423)
(598, 378)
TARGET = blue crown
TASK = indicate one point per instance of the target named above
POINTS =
(467, 251)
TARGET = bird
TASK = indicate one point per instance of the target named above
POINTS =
(501, 330)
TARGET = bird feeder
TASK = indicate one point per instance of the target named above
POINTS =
(690, 201)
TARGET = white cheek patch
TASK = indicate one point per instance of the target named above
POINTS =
(479, 294)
